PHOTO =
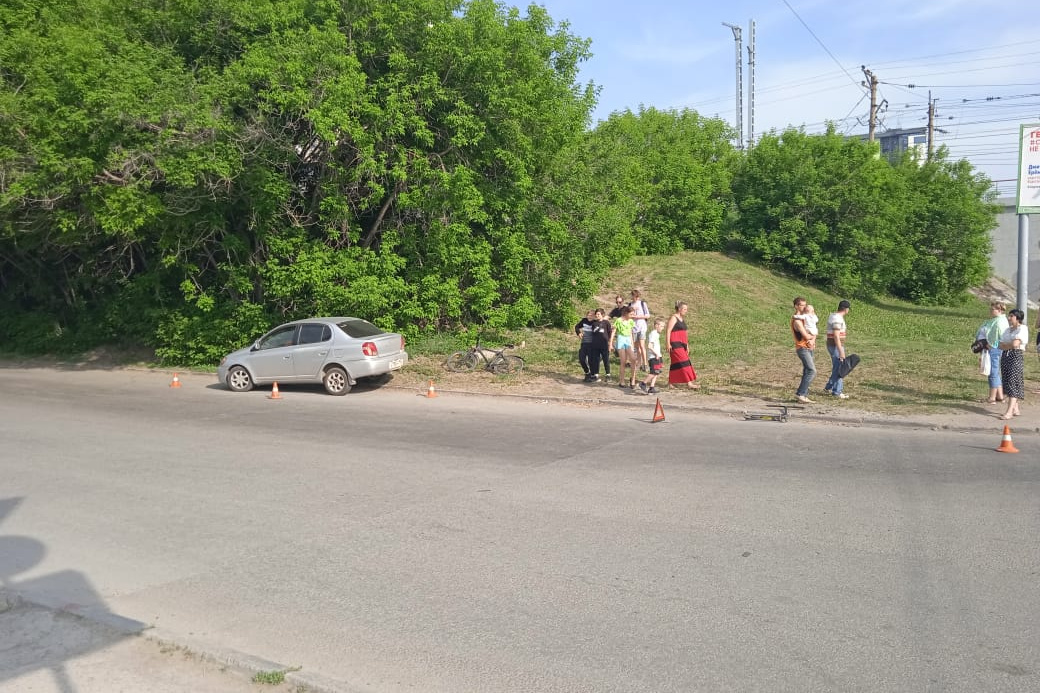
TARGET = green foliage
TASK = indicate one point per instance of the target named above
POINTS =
(250, 162)
(274, 677)
(827, 208)
(674, 168)
(187, 174)
(948, 225)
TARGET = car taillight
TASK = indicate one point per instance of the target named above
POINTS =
(369, 349)
(402, 342)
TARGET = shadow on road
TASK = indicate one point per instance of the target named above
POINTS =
(29, 645)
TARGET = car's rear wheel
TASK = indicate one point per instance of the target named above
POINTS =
(336, 381)
(239, 380)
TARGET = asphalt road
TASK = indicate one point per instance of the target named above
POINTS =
(391, 542)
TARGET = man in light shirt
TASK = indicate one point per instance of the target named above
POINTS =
(836, 330)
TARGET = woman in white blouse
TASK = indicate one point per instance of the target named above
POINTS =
(1012, 361)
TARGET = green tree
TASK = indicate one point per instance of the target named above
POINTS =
(187, 171)
(948, 224)
(823, 207)
(676, 168)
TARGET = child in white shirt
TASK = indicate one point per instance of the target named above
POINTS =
(811, 318)
(654, 360)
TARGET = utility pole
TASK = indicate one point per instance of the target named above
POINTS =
(931, 125)
(740, 84)
(872, 83)
(751, 84)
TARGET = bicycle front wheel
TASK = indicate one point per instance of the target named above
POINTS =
(461, 361)
(509, 364)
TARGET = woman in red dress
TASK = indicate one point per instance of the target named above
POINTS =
(681, 370)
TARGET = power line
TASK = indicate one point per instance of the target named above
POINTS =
(969, 50)
(973, 60)
(977, 86)
(828, 50)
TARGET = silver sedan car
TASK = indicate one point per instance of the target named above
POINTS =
(336, 352)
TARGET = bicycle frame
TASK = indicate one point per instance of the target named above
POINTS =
(496, 355)
(495, 360)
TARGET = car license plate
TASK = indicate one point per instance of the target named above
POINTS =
(396, 363)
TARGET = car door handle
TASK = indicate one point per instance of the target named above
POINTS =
(322, 353)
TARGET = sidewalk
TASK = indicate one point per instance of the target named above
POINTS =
(46, 649)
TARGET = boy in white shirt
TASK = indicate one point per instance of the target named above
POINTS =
(810, 318)
(653, 352)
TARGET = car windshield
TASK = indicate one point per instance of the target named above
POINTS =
(359, 328)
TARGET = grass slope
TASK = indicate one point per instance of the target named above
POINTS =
(741, 340)
(914, 358)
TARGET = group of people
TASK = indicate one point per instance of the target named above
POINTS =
(1005, 343)
(624, 332)
(805, 330)
(1005, 339)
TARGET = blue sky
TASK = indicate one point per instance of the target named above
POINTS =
(979, 58)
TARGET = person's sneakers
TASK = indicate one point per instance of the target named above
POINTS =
(594, 378)
(588, 377)
(827, 390)
(805, 400)
(642, 386)
(841, 395)
(652, 391)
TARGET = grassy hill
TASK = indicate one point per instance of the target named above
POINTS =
(914, 358)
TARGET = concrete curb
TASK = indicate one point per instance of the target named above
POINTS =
(858, 418)
(864, 419)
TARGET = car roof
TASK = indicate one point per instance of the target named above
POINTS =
(331, 321)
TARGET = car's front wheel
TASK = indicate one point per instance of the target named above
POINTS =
(239, 380)
(336, 381)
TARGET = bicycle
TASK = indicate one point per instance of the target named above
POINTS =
(498, 362)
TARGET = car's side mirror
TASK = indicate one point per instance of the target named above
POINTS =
(256, 346)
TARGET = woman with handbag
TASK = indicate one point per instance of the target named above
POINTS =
(994, 328)
(1012, 361)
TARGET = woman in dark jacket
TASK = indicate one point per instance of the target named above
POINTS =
(584, 330)
(602, 334)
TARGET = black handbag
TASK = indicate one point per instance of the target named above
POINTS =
(979, 346)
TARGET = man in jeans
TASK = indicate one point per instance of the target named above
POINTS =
(836, 347)
(804, 343)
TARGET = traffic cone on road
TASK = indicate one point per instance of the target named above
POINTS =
(275, 394)
(176, 382)
(1005, 443)
(430, 392)
(658, 412)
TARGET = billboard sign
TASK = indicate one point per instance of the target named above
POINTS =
(1029, 169)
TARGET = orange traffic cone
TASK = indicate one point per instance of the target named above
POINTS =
(658, 412)
(274, 392)
(176, 382)
(430, 392)
(1005, 443)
